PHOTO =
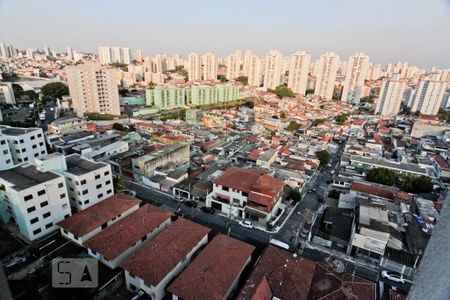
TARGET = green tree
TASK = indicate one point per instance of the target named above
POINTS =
(340, 119)
(416, 184)
(54, 90)
(317, 122)
(323, 156)
(293, 126)
(243, 80)
(283, 91)
(381, 175)
(118, 126)
(444, 115)
(119, 184)
(295, 196)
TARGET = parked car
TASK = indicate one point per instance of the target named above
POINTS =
(246, 224)
(208, 210)
(189, 203)
(394, 276)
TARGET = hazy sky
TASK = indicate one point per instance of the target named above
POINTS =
(416, 31)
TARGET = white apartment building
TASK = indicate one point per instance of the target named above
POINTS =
(93, 89)
(246, 63)
(194, 67)
(391, 96)
(429, 95)
(104, 55)
(126, 55)
(327, 68)
(6, 160)
(298, 72)
(357, 67)
(209, 66)
(138, 55)
(25, 144)
(233, 63)
(33, 200)
(272, 72)
(88, 182)
(254, 71)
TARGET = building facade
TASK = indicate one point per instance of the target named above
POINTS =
(93, 89)
(25, 144)
(327, 68)
(273, 67)
(357, 67)
(391, 96)
(298, 72)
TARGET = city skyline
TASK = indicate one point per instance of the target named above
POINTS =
(387, 33)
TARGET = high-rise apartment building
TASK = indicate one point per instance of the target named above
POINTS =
(326, 70)
(391, 96)
(248, 56)
(93, 89)
(254, 71)
(298, 72)
(126, 55)
(233, 63)
(104, 55)
(357, 67)
(194, 67)
(209, 66)
(69, 53)
(272, 71)
(429, 95)
(138, 55)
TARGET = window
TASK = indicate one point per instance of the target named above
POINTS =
(34, 220)
(97, 176)
(49, 225)
(71, 189)
(83, 181)
(43, 152)
(108, 182)
(65, 206)
(41, 144)
(41, 192)
(15, 143)
(37, 231)
(44, 204)
(32, 138)
(99, 195)
(21, 141)
(106, 173)
(225, 188)
(28, 197)
(86, 202)
(3, 142)
(34, 146)
(98, 186)
(36, 154)
(46, 215)
(85, 192)
(104, 225)
(23, 150)
(143, 238)
(25, 159)
(109, 191)
(17, 151)
(60, 185)
(62, 196)
(39, 135)
(30, 209)
(5, 151)
(66, 216)
(8, 161)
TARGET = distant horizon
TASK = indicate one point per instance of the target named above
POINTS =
(413, 31)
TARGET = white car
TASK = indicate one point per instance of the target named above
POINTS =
(246, 224)
(394, 276)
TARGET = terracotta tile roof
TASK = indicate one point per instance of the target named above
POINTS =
(253, 156)
(385, 192)
(266, 191)
(214, 270)
(93, 217)
(120, 236)
(280, 275)
(240, 179)
(156, 259)
(441, 162)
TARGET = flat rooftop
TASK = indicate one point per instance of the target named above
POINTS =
(78, 165)
(26, 175)
(15, 131)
